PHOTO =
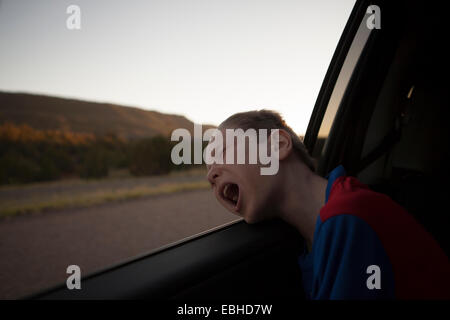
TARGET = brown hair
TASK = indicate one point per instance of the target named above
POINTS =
(268, 119)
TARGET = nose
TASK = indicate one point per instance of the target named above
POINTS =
(213, 173)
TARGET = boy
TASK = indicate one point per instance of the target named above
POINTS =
(359, 244)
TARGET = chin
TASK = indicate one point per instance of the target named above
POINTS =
(252, 218)
(259, 215)
(250, 221)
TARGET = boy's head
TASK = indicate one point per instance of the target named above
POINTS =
(241, 188)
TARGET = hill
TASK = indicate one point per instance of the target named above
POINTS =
(52, 113)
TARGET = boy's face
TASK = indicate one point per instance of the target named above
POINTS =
(241, 188)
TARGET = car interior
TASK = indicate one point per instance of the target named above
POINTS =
(389, 130)
(392, 133)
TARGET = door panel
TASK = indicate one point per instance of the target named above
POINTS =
(259, 260)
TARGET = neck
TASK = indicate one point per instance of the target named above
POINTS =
(303, 197)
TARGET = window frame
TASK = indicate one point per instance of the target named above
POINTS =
(333, 72)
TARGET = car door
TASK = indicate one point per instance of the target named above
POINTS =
(239, 260)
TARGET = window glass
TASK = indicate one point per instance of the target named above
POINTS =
(90, 94)
(343, 79)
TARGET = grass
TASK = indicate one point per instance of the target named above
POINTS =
(115, 174)
(98, 197)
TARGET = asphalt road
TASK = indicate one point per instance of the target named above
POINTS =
(36, 249)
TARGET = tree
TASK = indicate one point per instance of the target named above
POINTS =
(151, 156)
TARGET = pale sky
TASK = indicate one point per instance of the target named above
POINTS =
(204, 59)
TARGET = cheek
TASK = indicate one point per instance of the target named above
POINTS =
(251, 173)
(263, 192)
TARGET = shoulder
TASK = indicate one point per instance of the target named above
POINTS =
(349, 196)
(345, 250)
(419, 264)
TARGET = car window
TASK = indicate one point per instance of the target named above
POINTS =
(355, 50)
(90, 94)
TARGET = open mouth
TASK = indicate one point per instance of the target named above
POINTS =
(230, 193)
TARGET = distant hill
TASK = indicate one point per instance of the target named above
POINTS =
(52, 113)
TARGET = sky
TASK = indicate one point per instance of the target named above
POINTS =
(204, 59)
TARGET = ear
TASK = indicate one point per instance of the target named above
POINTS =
(284, 144)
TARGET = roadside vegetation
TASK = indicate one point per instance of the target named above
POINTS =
(68, 200)
(30, 155)
(32, 159)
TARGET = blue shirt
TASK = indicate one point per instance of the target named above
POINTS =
(344, 249)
